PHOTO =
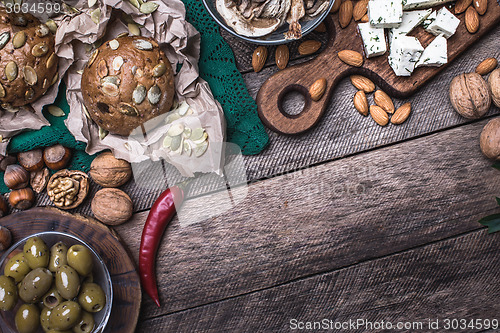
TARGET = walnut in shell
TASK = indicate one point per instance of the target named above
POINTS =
(470, 95)
(108, 171)
(490, 139)
(68, 188)
(494, 83)
(112, 206)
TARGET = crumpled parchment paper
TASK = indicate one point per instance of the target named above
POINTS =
(181, 43)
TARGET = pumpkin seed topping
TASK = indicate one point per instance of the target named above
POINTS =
(2, 91)
(159, 69)
(92, 58)
(110, 89)
(175, 130)
(11, 71)
(42, 30)
(142, 44)
(149, 7)
(19, 39)
(52, 26)
(4, 39)
(139, 94)
(30, 76)
(40, 49)
(117, 63)
(128, 110)
(52, 60)
(114, 44)
(102, 68)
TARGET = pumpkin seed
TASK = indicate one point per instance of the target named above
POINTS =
(172, 117)
(52, 60)
(110, 89)
(133, 70)
(114, 44)
(176, 143)
(134, 29)
(127, 146)
(135, 3)
(175, 130)
(159, 69)
(102, 133)
(112, 79)
(96, 15)
(20, 20)
(182, 109)
(142, 44)
(92, 3)
(80, 71)
(2, 91)
(42, 30)
(102, 68)
(40, 49)
(52, 26)
(167, 141)
(55, 111)
(30, 76)
(85, 111)
(45, 84)
(139, 94)
(128, 110)
(92, 58)
(54, 79)
(123, 34)
(197, 133)
(200, 140)
(187, 148)
(117, 63)
(4, 39)
(19, 39)
(187, 132)
(11, 71)
(154, 94)
(199, 150)
(9, 108)
(149, 7)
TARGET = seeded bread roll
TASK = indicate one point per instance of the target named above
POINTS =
(127, 81)
(28, 64)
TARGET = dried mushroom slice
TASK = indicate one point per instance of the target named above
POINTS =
(68, 188)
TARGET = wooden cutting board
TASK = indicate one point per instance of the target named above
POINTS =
(327, 64)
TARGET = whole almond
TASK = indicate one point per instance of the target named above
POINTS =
(384, 101)
(401, 114)
(361, 102)
(379, 115)
(336, 6)
(309, 47)
(365, 19)
(321, 28)
(282, 55)
(317, 89)
(345, 13)
(461, 6)
(362, 83)
(471, 20)
(486, 66)
(360, 9)
(351, 58)
(481, 6)
(259, 58)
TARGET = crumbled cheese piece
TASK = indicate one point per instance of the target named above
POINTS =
(405, 52)
(385, 13)
(436, 54)
(373, 40)
(417, 4)
(445, 23)
(431, 18)
(411, 20)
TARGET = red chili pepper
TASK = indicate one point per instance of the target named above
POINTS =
(159, 217)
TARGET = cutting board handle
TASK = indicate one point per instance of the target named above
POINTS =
(299, 78)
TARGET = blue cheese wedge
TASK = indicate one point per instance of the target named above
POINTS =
(373, 40)
(385, 13)
(436, 54)
(445, 24)
(411, 20)
(405, 52)
(419, 4)
(431, 18)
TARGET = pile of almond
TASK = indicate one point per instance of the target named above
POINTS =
(472, 9)
(383, 107)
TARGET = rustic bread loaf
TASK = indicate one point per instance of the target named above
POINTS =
(28, 64)
(127, 82)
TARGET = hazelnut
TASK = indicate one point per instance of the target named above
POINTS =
(5, 161)
(5, 238)
(108, 171)
(494, 83)
(4, 207)
(31, 160)
(68, 188)
(16, 177)
(469, 95)
(490, 139)
(57, 157)
(39, 180)
(112, 206)
(22, 199)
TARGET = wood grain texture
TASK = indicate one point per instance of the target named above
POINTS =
(126, 285)
(323, 218)
(449, 279)
(327, 65)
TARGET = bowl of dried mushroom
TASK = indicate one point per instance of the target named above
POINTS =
(268, 21)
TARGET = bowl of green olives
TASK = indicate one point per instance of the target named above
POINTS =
(54, 282)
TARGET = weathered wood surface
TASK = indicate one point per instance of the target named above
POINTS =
(322, 219)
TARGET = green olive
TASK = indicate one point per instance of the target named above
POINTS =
(58, 253)
(35, 285)
(44, 319)
(52, 298)
(27, 318)
(67, 282)
(80, 258)
(86, 324)
(36, 252)
(65, 316)
(17, 267)
(8, 293)
(57, 331)
(92, 297)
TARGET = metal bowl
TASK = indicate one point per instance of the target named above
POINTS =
(100, 275)
(276, 37)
